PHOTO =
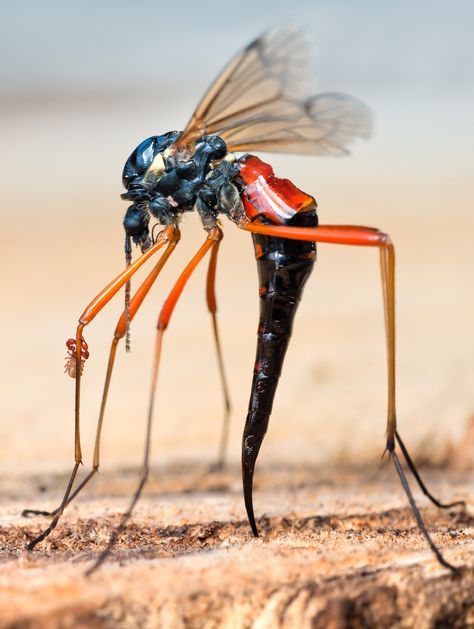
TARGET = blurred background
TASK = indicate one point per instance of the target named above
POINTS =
(83, 83)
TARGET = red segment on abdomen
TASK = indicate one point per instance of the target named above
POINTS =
(276, 199)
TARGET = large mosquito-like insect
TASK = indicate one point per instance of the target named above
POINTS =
(252, 105)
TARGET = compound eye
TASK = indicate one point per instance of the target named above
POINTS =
(138, 161)
(144, 154)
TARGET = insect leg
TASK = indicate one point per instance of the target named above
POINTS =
(368, 237)
(214, 236)
(120, 331)
(212, 306)
(416, 474)
(87, 316)
(387, 261)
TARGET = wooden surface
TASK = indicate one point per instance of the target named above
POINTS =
(338, 549)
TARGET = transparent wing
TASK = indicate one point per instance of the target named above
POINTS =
(256, 103)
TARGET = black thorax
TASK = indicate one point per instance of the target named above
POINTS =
(164, 184)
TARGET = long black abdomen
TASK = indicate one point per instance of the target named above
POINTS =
(283, 268)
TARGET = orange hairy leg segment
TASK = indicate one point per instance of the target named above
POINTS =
(93, 309)
(115, 285)
(212, 307)
(170, 235)
(214, 236)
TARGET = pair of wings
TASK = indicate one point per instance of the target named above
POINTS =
(255, 104)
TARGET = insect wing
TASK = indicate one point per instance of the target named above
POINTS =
(256, 103)
(324, 124)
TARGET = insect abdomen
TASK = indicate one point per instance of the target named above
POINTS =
(271, 198)
(283, 267)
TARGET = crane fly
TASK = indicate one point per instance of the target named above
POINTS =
(255, 104)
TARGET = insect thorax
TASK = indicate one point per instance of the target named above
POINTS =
(164, 182)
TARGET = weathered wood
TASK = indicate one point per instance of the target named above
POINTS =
(338, 549)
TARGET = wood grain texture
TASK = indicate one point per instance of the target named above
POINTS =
(338, 549)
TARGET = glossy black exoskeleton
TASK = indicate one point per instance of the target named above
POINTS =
(165, 184)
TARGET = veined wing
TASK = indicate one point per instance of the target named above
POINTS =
(256, 103)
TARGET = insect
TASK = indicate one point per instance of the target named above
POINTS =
(253, 105)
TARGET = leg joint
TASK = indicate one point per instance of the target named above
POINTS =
(215, 233)
(384, 239)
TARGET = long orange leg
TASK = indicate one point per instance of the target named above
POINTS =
(212, 306)
(368, 237)
(214, 236)
(119, 333)
(96, 305)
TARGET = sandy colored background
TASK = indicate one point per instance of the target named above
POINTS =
(81, 86)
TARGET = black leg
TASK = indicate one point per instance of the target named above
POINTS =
(417, 513)
(26, 513)
(422, 485)
(58, 512)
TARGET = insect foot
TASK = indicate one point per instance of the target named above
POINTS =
(71, 364)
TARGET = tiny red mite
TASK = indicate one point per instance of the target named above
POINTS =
(70, 366)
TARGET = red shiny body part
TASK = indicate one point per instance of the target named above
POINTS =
(265, 195)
